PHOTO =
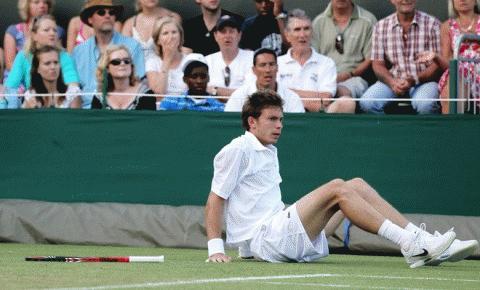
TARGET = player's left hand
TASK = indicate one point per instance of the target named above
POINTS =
(219, 258)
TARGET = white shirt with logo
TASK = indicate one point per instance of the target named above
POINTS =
(319, 73)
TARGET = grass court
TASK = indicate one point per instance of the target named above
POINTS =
(186, 269)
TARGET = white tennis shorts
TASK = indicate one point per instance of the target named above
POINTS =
(282, 238)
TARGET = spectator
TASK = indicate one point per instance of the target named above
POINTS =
(120, 89)
(397, 40)
(78, 32)
(343, 32)
(164, 71)
(231, 66)
(266, 29)
(16, 34)
(3, 101)
(101, 16)
(2, 64)
(199, 29)
(45, 76)
(308, 73)
(265, 69)
(140, 26)
(464, 19)
(195, 76)
(43, 32)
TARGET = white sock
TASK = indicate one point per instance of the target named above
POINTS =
(395, 234)
(412, 228)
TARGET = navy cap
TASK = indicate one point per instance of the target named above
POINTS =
(227, 20)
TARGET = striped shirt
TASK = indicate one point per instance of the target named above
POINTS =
(388, 44)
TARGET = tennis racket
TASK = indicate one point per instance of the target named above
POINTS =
(113, 259)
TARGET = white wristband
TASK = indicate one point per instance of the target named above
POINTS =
(215, 246)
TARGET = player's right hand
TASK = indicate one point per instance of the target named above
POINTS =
(219, 258)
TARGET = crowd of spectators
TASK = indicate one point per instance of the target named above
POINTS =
(342, 61)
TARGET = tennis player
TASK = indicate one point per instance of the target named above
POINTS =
(246, 189)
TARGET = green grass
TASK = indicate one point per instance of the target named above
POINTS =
(188, 266)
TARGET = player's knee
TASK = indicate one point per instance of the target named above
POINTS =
(343, 194)
(357, 181)
(336, 182)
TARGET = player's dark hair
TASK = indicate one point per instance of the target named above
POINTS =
(257, 102)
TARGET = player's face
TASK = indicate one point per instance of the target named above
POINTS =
(268, 127)
(299, 33)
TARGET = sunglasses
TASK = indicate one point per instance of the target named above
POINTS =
(103, 11)
(226, 76)
(339, 43)
(119, 61)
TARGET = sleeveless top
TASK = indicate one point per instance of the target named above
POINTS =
(147, 46)
(80, 38)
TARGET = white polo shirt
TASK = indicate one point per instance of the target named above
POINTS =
(292, 102)
(175, 83)
(247, 176)
(319, 73)
(240, 69)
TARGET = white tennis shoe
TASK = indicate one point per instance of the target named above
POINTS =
(457, 251)
(426, 247)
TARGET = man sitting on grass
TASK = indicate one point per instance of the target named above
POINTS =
(246, 188)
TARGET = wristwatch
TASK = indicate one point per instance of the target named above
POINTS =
(214, 91)
(282, 15)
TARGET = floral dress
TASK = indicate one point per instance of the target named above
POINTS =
(467, 71)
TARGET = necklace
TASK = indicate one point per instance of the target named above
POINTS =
(469, 28)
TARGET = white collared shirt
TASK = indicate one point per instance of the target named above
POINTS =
(292, 102)
(247, 176)
(319, 73)
(240, 69)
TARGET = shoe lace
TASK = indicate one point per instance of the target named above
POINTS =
(423, 227)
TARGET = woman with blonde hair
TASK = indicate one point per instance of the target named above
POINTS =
(464, 19)
(164, 69)
(119, 88)
(46, 79)
(43, 33)
(140, 26)
(17, 34)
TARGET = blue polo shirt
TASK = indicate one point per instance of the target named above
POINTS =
(87, 54)
(187, 103)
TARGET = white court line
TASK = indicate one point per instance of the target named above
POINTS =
(259, 278)
(340, 286)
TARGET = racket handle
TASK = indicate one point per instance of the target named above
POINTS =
(143, 259)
